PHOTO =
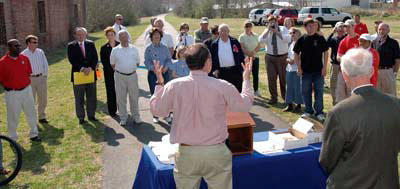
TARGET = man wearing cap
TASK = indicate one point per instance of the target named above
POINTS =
(374, 36)
(334, 40)
(389, 53)
(366, 42)
(15, 72)
(360, 28)
(118, 25)
(203, 33)
(349, 42)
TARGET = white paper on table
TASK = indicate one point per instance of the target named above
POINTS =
(164, 150)
(267, 147)
(303, 125)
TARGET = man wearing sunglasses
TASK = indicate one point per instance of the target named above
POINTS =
(118, 25)
(15, 72)
(39, 74)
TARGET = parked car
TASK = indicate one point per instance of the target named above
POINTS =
(283, 13)
(326, 15)
(256, 16)
(267, 13)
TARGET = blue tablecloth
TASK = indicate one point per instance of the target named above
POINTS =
(298, 168)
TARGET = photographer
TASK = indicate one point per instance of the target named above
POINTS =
(183, 38)
(276, 45)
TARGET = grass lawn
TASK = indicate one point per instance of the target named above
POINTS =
(70, 154)
(236, 26)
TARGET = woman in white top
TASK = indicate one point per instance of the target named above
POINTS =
(184, 38)
(293, 92)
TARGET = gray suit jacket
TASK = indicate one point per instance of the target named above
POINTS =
(361, 142)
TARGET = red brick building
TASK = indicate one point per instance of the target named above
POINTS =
(51, 20)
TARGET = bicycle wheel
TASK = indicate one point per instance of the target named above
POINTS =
(11, 158)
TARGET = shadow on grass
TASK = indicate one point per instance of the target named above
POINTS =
(35, 158)
(95, 130)
(51, 134)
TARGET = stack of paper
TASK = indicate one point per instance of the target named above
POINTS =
(164, 150)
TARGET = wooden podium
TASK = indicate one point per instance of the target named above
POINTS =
(240, 129)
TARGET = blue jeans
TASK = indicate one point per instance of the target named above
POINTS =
(293, 91)
(152, 79)
(308, 81)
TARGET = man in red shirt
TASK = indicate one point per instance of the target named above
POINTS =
(360, 27)
(349, 42)
(365, 42)
(15, 71)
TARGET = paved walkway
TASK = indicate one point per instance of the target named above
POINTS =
(122, 150)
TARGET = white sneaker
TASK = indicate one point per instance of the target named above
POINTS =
(155, 120)
(168, 119)
(305, 115)
(138, 120)
(321, 117)
(122, 122)
(257, 94)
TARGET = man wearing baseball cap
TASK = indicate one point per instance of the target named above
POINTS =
(366, 42)
(349, 42)
(203, 33)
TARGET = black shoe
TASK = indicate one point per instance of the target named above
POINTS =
(43, 121)
(36, 139)
(81, 121)
(93, 119)
(272, 102)
(289, 108)
(298, 108)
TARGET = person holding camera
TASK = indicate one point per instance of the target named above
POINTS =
(183, 38)
(277, 45)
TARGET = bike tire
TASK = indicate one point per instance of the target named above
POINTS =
(18, 152)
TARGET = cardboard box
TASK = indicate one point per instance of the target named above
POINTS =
(288, 140)
(240, 129)
(312, 135)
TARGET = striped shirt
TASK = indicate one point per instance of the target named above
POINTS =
(38, 61)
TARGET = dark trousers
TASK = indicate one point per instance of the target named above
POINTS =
(233, 75)
(110, 89)
(255, 70)
(152, 79)
(276, 67)
(80, 91)
(310, 81)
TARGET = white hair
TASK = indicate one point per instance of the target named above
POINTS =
(159, 20)
(77, 29)
(357, 62)
(126, 32)
(220, 27)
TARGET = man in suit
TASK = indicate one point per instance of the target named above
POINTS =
(227, 57)
(82, 55)
(360, 143)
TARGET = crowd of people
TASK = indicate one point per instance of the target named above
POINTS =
(196, 79)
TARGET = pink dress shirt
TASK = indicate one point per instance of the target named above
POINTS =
(199, 104)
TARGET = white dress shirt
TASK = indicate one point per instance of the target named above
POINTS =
(38, 61)
(166, 40)
(125, 59)
(225, 54)
(117, 28)
(283, 44)
(186, 40)
(291, 67)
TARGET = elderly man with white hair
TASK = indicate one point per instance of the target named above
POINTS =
(360, 143)
(227, 57)
(166, 39)
(82, 55)
(389, 53)
(125, 59)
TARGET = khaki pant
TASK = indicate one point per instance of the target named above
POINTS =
(39, 91)
(15, 101)
(333, 81)
(124, 86)
(387, 81)
(342, 91)
(276, 67)
(213, 163)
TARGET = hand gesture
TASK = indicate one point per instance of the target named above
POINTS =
(299, 71)
(247, 68)
(323, 72)
(158, 70)
(216, 73)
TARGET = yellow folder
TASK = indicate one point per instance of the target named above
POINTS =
(80, 78)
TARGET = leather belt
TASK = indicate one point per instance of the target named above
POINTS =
(37, 75)
(385, 67)
(11, 89)
(277, 55)
(227, 68)
(127, 74)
